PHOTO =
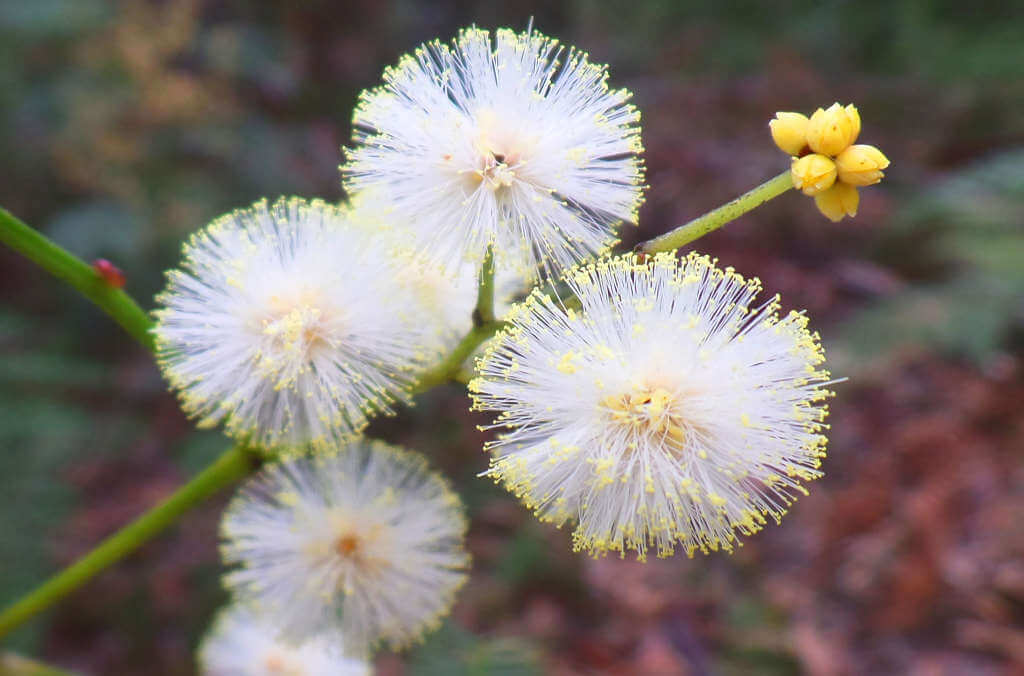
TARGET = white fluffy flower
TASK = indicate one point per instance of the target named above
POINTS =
(364, 545)
(244, 643)
(289, 323)
(666, 411)
(513, 142)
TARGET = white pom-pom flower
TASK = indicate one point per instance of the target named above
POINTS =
(291, 324)
(513, 142)
(242, 642)
(665, 411)
(363, 545)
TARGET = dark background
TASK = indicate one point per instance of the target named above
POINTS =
(127, 125)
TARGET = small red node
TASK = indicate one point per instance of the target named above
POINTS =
(110, 273)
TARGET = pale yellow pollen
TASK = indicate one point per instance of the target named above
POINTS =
(301, 326)
(649, 411)
(566, 365)
(295, 326)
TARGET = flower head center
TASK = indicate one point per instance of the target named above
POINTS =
(297, 330)
(496, 170)
(294, 330)
(276, 663)
(648, 411)
(498, 149)
(347, 546)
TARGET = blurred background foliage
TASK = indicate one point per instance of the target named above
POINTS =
(126, 125)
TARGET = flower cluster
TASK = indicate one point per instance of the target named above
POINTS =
(658, 407)
(294, 323)
(827, 164)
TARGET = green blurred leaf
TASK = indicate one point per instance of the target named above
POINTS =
(44, 429)
(38, 438)
(52, 18)
(972, 226)
(452, 651)
(524, 555)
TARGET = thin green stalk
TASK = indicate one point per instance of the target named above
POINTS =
(79, 274)
(713, 220)
(234, 464)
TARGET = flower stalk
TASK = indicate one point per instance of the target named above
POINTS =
(235, 463)
(715, 219)
(69, 268)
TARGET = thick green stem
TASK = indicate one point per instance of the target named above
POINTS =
(713, 220)
(234, 464)
(77, 273)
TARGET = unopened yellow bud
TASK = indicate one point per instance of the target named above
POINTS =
(861, 165)
(854, 115)
(838, 201)
(813, 174)
(831, 131)
(789, 131)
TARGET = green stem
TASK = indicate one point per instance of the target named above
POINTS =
(449, 368)
(234, 464)
(79, 274)
(713, 220)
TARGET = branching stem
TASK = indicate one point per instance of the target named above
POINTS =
(239, 461)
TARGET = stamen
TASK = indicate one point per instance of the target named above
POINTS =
(648, 411)
(495, 171)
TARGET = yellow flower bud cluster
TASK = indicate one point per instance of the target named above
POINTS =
(827, 165)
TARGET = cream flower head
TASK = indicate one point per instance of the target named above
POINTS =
(242, 642)
(666, 411)
(513, 142)
(363, 545)
(291, 324)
